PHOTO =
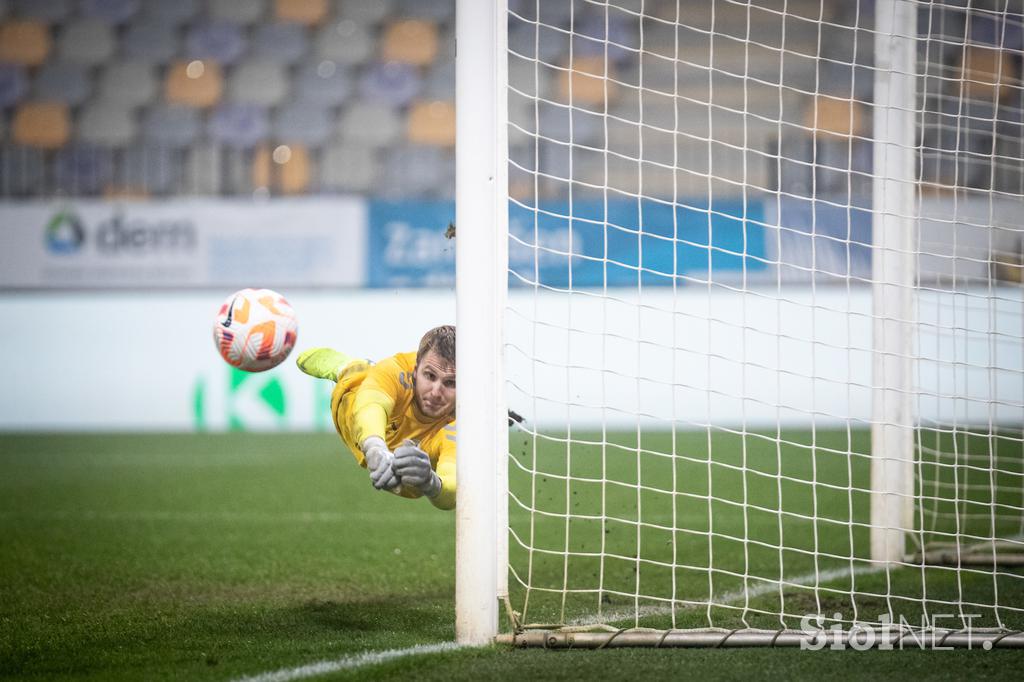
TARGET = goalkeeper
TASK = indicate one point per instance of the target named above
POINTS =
(397, 416)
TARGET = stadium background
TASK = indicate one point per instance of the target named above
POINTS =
(155, 156)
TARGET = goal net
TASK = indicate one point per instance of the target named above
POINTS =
(764, 322)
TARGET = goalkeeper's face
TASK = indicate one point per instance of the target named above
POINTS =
(434, 383)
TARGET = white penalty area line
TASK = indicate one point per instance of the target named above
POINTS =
(728, 598)
(348, 663)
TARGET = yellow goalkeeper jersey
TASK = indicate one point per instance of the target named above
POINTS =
(378, 400)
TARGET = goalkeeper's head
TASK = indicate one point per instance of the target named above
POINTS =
(434, 378)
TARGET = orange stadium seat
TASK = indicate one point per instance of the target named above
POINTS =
(987, 73)
(289, 173)
(24, 42)
(194, 84)
(432, 123)
(309, 12)
(41, 124)
(588, 81)
(410, 41)
(836, 116)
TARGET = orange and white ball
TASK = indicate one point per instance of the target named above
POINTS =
(255, 329)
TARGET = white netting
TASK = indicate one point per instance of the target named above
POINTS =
(691, 329)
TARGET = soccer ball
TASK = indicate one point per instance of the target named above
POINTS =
(255, 329)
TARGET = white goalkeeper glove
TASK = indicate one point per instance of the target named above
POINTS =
(380, 462)
(413, 468)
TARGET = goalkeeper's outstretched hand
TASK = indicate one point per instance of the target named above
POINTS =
(380, 462)
(413, 468)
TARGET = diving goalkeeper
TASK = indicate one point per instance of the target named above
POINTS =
(397, 416)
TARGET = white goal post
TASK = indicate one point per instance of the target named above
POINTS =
(751, 272)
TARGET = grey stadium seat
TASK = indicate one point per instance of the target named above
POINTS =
(366, 13)
(87, 42)
(172, 126)
(258, 82)
(301, 123)
(348, 168)
(325, 84)
(418, 172)
(106, 124)
(435, 10)
(171, 12)
(150, 42)
(62, 81)
(50, 11)
(131, 83)
(149, 167)
(13, 84)
(220, 41)
(21, 170)
(238, 11)
(110, 11)
(440, 82)
(239, 125)
(279, 42)
(370, 124)
(391, 83)
(344, 42)
(81, 170)
(203, 170)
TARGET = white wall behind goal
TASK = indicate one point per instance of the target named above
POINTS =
(119, 361)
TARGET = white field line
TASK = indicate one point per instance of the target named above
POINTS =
(348, 663)
(212, 516)
(762, 588)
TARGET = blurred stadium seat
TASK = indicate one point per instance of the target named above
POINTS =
(86, 42)
(432, 123)
(45, 125)
(130, 83)
(151, 41)
(239, 125)
(370, 124)
(106, 124)
(349, 168)
(109, 11)
(344, 42)
(219, 41)
(409, 41)
(243, 12)
(195, 84)
(322, 85)
(62, 81)
(363, 89)
(302, 123)
(24, 41)
(283, 42)
(13, 84)
(171, 125)
(49, 11)
(391, 83)
(258, 82)
(308, 12)
(21, 171)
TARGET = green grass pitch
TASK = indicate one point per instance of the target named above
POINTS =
(211, 557)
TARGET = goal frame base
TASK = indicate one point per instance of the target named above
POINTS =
(890, 639)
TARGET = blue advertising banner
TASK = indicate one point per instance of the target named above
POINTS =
(589, 244)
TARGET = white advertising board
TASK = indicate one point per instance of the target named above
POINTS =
(147, 362)
(182, 243)
(136, 362)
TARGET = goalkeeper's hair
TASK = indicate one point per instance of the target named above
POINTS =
(441, 340)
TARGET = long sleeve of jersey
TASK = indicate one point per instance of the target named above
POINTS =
(375, 399)
(443, 443)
